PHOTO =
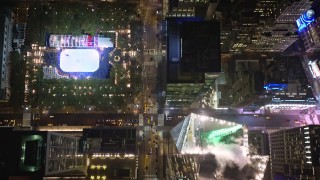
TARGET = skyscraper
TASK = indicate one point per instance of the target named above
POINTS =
(294, 153)
(38, 154)
(6, 24)
(277, 37)
(309, 28)
(193, 51)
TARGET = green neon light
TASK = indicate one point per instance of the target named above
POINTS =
(23, 150)
(214, 137)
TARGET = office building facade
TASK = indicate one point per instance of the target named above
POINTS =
(113, 152)
(294, 153)
(258, 142)
(193, 57)
(6, 25)
(310, 37)
(281, 34)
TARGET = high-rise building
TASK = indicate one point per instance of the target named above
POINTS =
(199, 132)
(182, 166)
(282, 34)
(266, 8)
(310, 36)
(19, 36)
(113, 152)
(39, 154)
(193, 57)
(292, 12)
(294, 153)
(258, 142)
(207, 143)
(193, 53)
(6, 25)
(188, 8)
(244, 26)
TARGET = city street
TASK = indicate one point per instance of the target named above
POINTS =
(150, 58)
(151, 146)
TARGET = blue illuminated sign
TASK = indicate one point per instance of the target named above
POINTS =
(186, 19)
(273, 87)
(305, 19)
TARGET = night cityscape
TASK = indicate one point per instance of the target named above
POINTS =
(160, 89)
